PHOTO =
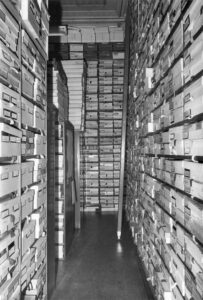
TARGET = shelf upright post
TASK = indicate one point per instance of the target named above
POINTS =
(77, 177)
(125, 100)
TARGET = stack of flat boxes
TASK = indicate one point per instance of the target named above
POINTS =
(89, 150)
(117, 97)
(23, 153)
(58, 95)
(164, 145)
(111, 71)
(101, 140)
(75, 72)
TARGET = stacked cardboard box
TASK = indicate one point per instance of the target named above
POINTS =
(74, 70)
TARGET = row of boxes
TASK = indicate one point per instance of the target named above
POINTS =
(99, 169)
(57, 89)
(180, 141)
(31, 171)
(15, 142)
(182, 107)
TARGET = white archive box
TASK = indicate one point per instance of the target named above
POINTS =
(175, 43)
(193, 99)
(176, 109)
(178, 271)
(59, 206)
(40, 194)
(176, 294)
(116, 34)
(59, 176)
(44, 15)
(11, 288)
(40, 144)
(40, 247)
(193, 170)
(175, 12)
(105, 72)
(196, 189)
(10, 28)
(174, 166)
(28, 50)
(9, 214)
(39, 92)
(40, 219)
(59, 221)
(105, 80)
(164, 30)
(9, 179)
(179, 199)
(118, 55)
(74, 35)
(27, 144)
(194, 218)
(59, 146)
(76, 55)
(59, 251)
(176, 140)
(37, 284)
(39, 67)
(175, 78)
(118, 72)
(27, 268)
(27, 169)
(10, 66)
(27, 109)
(9, 104)
(10, 140)
(59, 237)
(27, 203)
(195, 253)
(40, 121)
(28, 235)
(59, 191)
(88, 35)
(27, 83)
(76, 47)
(9, 246)
(40, 169)
(193, 59)
(30, 14)
(193, 139)
(43, 40)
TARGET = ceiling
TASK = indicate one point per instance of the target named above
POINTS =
(88, 12)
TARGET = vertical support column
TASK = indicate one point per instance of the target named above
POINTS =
(77, 177)
(125, 99)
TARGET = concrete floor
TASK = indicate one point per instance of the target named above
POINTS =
(98, 267)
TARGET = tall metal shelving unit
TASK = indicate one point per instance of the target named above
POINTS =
(164, 144)
(63, 166)
(23, 150)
